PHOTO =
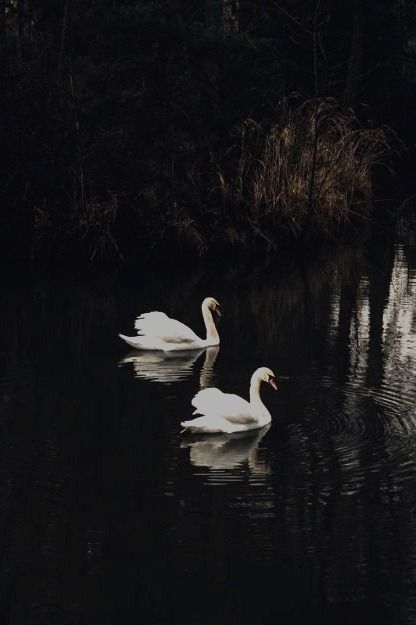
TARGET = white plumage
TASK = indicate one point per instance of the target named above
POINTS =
(215, 403)
(228, 413)
(159, 325)
(157, 331)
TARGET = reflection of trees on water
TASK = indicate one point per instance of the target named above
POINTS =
(367, 390)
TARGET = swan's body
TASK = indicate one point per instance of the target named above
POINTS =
(157, 331)
(228, 413)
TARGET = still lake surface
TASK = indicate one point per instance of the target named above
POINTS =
(109, 515)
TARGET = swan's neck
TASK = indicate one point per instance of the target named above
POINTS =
(255, 399)
(212, 334)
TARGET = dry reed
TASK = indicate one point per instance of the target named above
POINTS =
(310, 171)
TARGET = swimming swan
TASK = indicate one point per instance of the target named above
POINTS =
(157, 331)
(224, 412)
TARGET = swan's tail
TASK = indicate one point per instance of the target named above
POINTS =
(186, 427)
(206, 425)
(191, 426)
(139, 342)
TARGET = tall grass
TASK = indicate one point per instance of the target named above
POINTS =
(308, 174)
(312, 170)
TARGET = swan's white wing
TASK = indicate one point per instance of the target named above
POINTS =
(159, 325)
(215, 403)
(207, 401)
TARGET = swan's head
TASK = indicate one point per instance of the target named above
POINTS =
(212, 304)
(266, 375)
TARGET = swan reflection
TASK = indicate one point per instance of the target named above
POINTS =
(167, 367)
(207, 373)
(226, 451)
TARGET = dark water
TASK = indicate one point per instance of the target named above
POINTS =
(108, 515)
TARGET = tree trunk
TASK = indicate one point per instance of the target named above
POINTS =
(230, 10)
(356, 55)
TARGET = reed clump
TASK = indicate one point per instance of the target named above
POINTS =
(304, 176)
(311, 171)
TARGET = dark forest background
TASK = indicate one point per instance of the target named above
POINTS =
(135, 126)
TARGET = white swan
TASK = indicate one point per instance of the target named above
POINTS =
(224, 412)
(157, 331)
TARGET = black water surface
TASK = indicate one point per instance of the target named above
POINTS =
(109, 515)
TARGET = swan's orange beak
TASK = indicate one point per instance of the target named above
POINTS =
(272, 382)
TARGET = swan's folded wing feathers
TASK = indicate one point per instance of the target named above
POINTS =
(233, 408)
(236, 409)
(147, 319)
(159, 325)
(207, 401)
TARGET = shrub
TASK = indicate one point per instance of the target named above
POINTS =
(310, 171)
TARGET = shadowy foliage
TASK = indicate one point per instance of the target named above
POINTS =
(126, 125)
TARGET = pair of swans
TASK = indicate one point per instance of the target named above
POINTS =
(220, 412)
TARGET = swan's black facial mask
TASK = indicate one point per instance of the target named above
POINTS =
(272, 382)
